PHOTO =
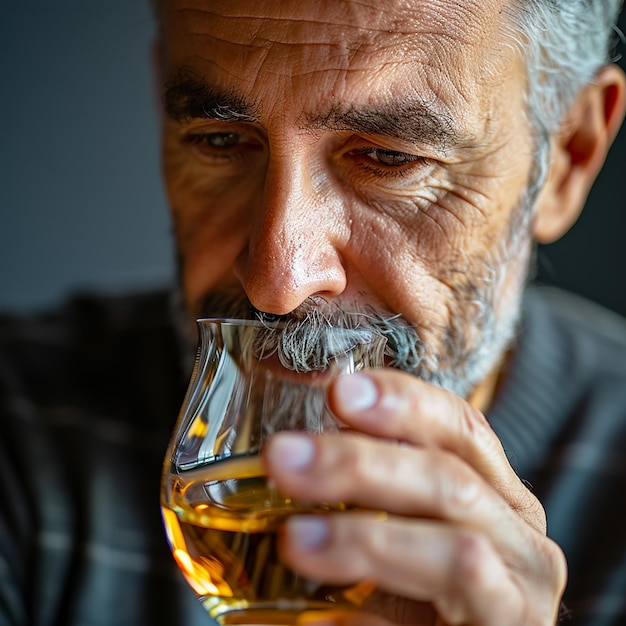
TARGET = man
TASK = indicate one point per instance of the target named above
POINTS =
(387, 159)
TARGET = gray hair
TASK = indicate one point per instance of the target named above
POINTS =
(565, 43)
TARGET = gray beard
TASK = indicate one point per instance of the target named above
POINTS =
(314, 334)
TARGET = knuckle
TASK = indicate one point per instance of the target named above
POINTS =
(352, 469)
(420, 399)
(363, 543)
(467, 574)
(473, 423)
(544, 561)
(456, 486)
(549, 585)
(473, 572)
(473, 554)
(557, 565)
(359, 462)
(374, 540)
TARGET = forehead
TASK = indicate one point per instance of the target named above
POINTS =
(332, 24)
(287, 20)
(442, 49)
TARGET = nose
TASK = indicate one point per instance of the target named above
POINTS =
(293, 248)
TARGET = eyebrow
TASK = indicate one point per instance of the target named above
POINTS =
(409, 121)
(415, 121)
(188, 96)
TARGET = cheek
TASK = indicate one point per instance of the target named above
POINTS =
(209, 233)
(206, 261)
(401, 251)
(420, 255)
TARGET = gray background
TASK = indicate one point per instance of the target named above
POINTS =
(81, 204)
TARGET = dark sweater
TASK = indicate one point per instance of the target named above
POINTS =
(561, 417)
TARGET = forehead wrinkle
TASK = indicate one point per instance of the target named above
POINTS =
(401, 24)
(294, 22)
(292, 29)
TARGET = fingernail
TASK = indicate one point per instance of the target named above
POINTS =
(356, 392)
(291, 451)
(307, 532)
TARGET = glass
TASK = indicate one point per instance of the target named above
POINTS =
(221, 516)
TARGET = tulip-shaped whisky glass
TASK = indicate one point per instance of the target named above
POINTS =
(251, 379)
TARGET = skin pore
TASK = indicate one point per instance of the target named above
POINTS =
(371, 157)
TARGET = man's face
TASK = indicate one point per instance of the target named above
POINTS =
(373, 154)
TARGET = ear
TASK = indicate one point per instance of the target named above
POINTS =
(578, 153)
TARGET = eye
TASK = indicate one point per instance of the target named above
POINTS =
(388, 158)
(216, 140)
(224, 146)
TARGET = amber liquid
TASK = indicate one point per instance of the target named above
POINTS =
(222, 525)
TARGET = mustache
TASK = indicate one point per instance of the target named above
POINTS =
(317, 332)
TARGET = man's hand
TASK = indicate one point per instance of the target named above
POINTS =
(462, 541)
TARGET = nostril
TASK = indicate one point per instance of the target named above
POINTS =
(265, 317)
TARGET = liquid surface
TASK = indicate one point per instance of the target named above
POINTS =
(222, 524)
